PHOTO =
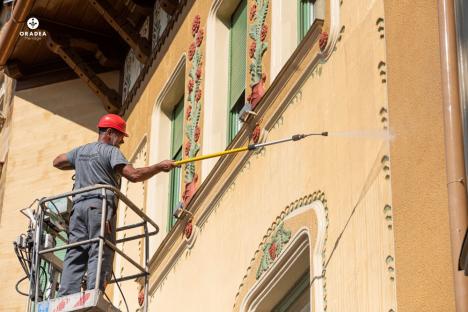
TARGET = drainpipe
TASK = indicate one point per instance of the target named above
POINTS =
(455, 164)
(10, 31)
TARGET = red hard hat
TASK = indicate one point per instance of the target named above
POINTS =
(113, 121)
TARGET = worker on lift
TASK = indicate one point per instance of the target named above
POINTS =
(99, 162)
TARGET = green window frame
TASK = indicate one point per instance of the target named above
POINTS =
(237, 68)
(305, 17)
(289, 302)
(176, 154)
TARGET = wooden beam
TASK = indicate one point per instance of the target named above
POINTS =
(109, 50)
(140, 45)
(110, 98)
(52, 72)
(106, 58)
(14, 69)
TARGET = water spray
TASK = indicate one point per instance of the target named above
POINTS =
(250, 147)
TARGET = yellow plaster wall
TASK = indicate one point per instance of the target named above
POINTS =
(46, 121)
(405, 197)
(345, 93)
(423, 257)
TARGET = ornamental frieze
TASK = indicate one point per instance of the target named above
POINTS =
(193, 108)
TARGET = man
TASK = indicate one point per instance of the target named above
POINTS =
(100, 162)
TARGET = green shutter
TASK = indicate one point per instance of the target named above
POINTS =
(237, 66)
(238, 41)
(176, 154)
(305, 18)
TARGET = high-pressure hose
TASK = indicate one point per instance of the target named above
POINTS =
(250, 147)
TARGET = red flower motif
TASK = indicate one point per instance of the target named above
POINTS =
(187, 148)
(188, 112)
(264, 32)
(198, 95)
(199, 72)
(190, 189)
(252, 48)
(141, 297)
(258, 90)
(256, 133)
(197, 134)
(196, 24)
(253, 11)
(272, 251)
(323, 40)
(200, 37)
(188, 229)
(190, 85)
(191, 51)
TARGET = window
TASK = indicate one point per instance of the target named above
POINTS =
(176, 154)
(237, 67)
(306, 17)
(291, 20)
(161, 146)
(281, 288)
(288, 259)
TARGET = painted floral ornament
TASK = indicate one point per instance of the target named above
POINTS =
(323, 40)
(190, 233)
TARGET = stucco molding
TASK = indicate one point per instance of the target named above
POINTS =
(333, 30)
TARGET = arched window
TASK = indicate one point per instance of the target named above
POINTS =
(286, 273)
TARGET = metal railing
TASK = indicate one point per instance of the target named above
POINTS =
(39, 252)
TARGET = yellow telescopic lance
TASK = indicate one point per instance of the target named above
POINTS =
(250, 147)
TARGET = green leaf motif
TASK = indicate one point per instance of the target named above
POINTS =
(255, 33)
(194, 118)
(280, 239)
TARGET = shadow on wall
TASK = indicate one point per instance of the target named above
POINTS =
(72, 100)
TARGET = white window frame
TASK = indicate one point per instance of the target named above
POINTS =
(284, 31)
(215, 110)
(157, 199)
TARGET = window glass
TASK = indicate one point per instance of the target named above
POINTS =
(306, 17)
(176, 154)
(237, 67)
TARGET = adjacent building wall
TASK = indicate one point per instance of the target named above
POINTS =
(46, 121)
(420, 204)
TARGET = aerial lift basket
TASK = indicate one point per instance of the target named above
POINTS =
(48, 224)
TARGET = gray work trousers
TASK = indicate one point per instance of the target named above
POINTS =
(85, 223)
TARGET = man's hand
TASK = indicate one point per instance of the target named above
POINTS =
(167, 165)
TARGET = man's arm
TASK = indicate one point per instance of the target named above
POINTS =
(61, 162)
(144, 173)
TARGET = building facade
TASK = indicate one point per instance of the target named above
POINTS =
(359, 220)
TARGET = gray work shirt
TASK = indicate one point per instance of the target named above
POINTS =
(95, 163)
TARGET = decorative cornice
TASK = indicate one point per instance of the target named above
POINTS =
(157, 53)
(333, 32)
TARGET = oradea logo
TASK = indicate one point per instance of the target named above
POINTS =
(33, 23)
(33, 33)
